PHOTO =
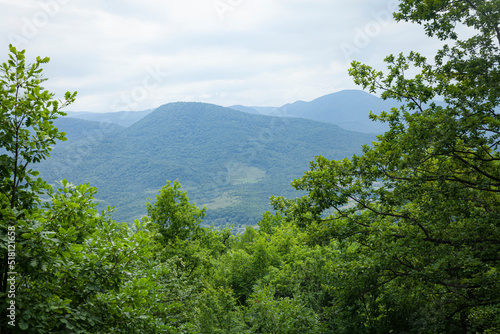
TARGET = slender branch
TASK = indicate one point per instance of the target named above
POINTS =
(480, 171)
(431, 178)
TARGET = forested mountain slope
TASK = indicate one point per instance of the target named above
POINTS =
(348, 109)
(229, 161)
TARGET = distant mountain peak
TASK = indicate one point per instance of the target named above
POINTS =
(346, 108)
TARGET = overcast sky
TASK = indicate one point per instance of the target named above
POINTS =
(139, 54)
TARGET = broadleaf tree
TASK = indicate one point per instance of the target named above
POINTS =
(65, 267)
(27, 132)
(27, 111)
(421, 205)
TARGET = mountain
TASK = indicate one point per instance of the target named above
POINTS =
(83, 137)
(249, 110)
(268, 111)
(79, 129)
(348, 109)
(228, 160)
(122, 118)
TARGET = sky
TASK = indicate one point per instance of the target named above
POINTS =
(140, 54)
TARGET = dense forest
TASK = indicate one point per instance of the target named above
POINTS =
(229, 161)
(401, 238)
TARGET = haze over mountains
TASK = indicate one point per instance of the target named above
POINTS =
(228, 160)
(348, 109)
(123, 118)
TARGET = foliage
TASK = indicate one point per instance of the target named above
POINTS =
(26, 135)
(421, 206)
(176, 218)
(27, 132)
(72, 269)
(78, 261)
(403, 238)
(218, 312)
(267, 314)
(245, 292)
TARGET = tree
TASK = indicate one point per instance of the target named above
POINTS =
(421, 206)
(27, 131)
(66, 268)
(217, 312)
(83, 272)
(176, 218)
(267, 314)
(26, 135)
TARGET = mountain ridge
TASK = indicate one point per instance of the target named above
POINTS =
(347, 108)
(229, 160)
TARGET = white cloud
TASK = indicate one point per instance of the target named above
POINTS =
(252, 52)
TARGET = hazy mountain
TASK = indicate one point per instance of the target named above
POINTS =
(123, 118)
(230, 161)
(348, 109)
(79, 129)
(268, 111)
(249, 110)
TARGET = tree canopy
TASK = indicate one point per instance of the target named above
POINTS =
(421, 206)
(403, 238)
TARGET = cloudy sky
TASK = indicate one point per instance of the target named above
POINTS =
(139, 54)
